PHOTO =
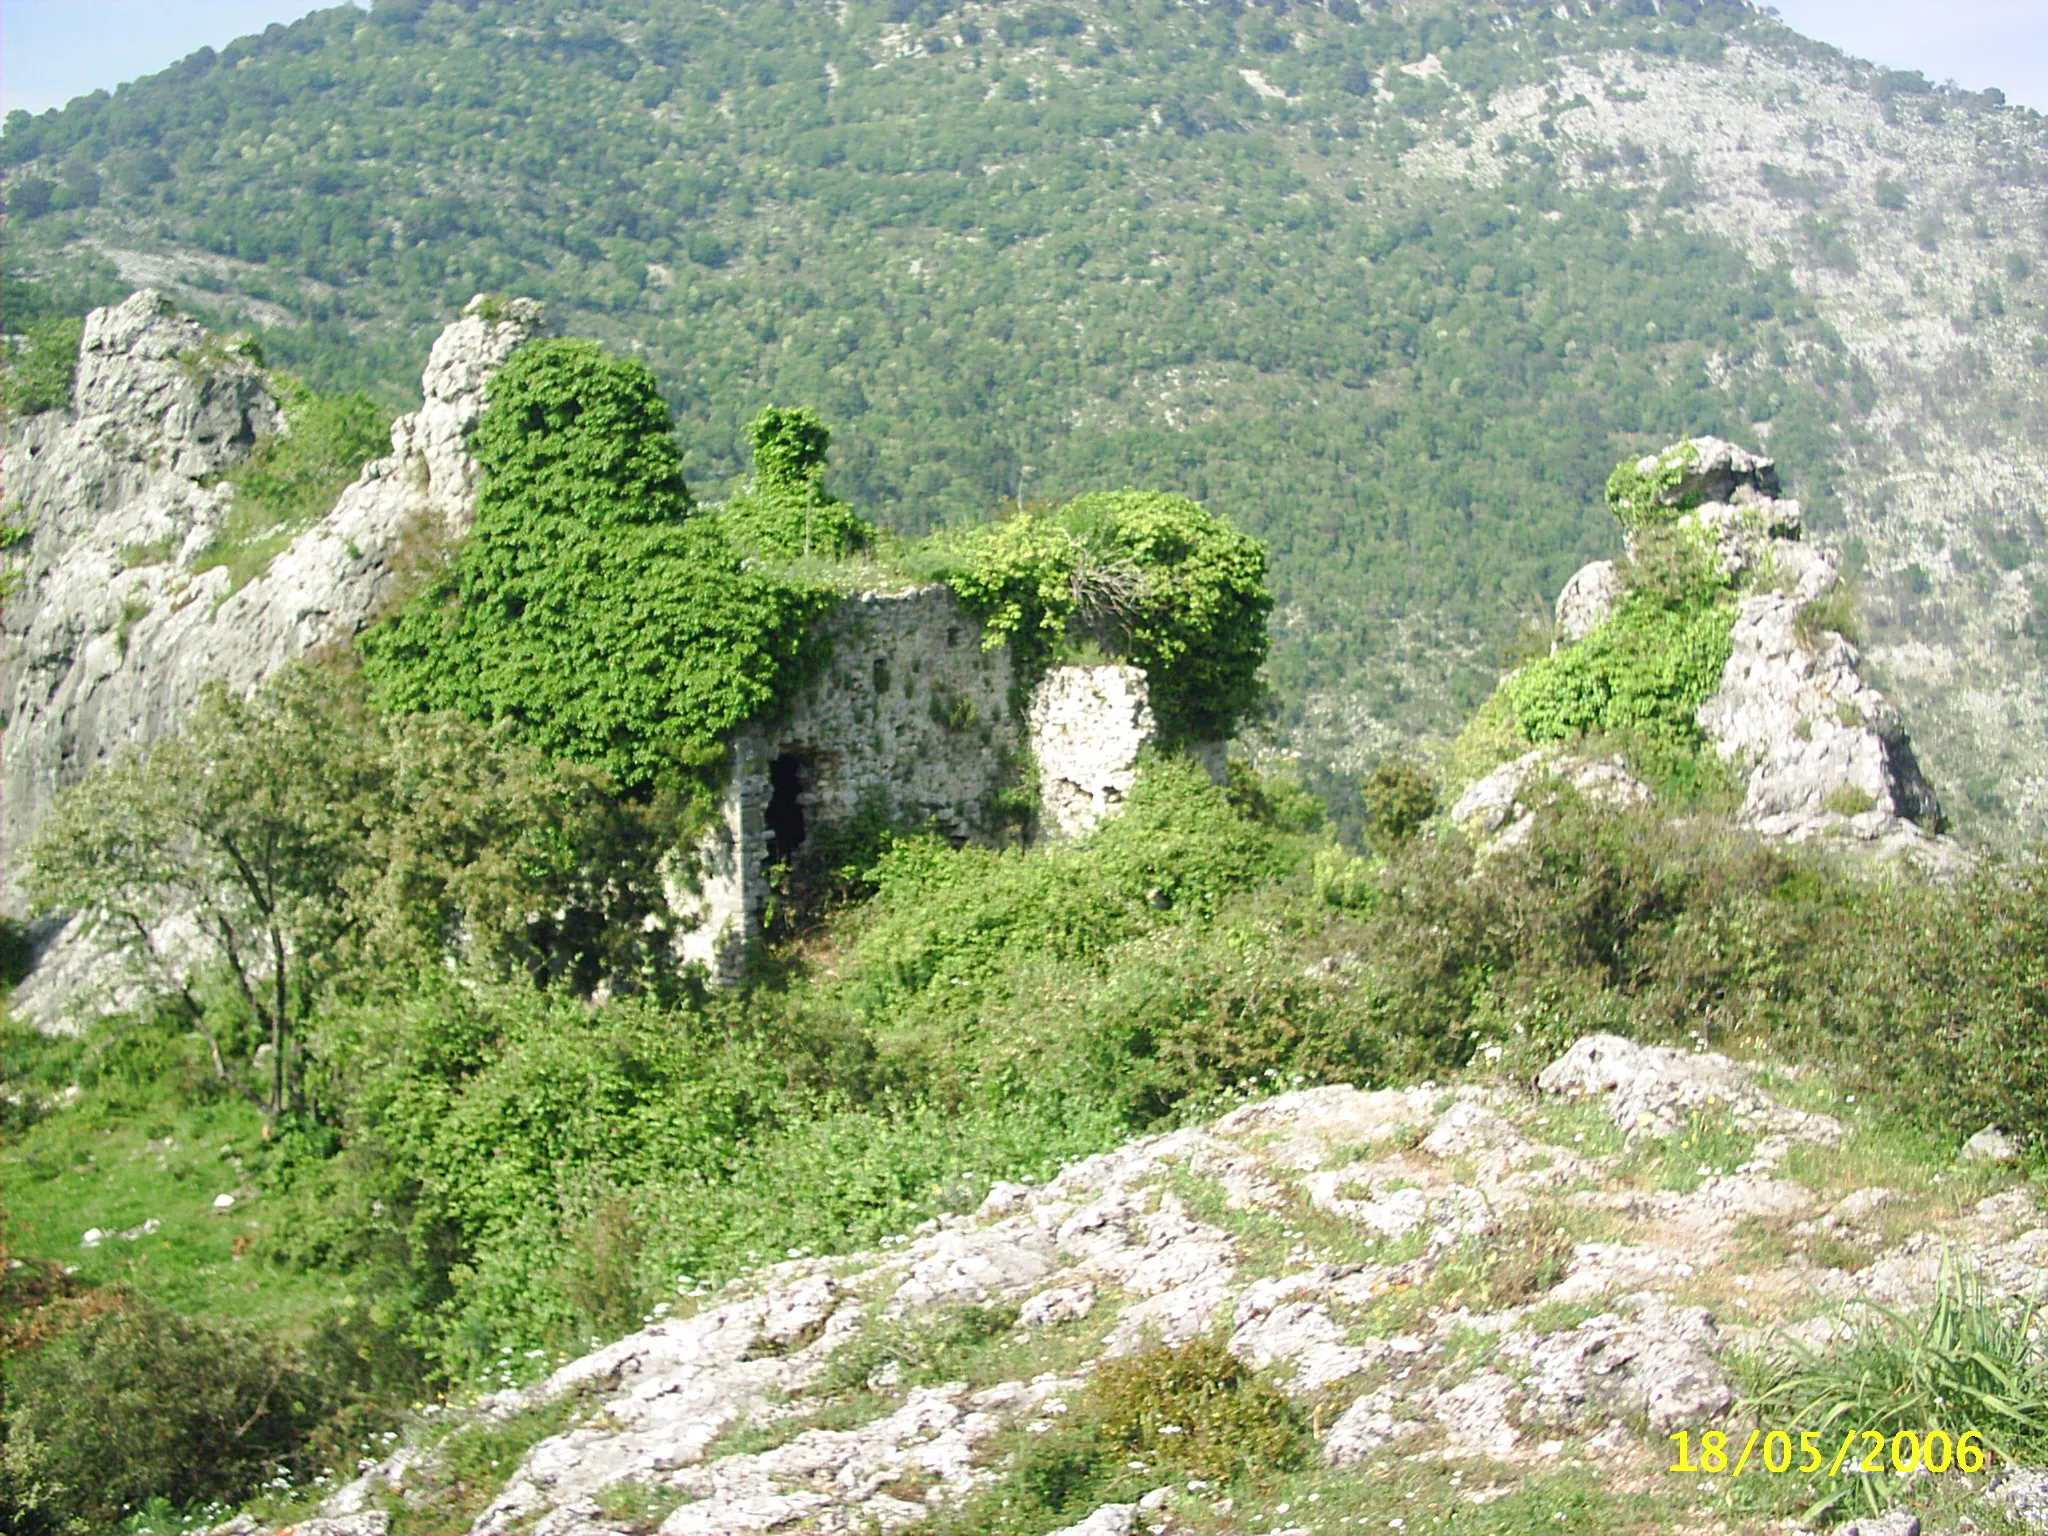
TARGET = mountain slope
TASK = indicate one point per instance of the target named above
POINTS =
(1393, 287)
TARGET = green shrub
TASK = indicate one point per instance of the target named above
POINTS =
(1643, 498)
(1400, 797)
(41, 367)
(1834, 611)
(945, 918)
(1150, 578)
(1146, 1418)
(1198, 1410)
(138, 1403)
(1645, 672)
(1935, 999)
(1639, 677)
(588, 612)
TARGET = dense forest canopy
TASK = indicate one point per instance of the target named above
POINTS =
(1010, 252)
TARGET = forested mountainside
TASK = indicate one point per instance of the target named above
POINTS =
(1393, 285)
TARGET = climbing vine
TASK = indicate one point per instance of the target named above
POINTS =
(589, 612)
(784, 510)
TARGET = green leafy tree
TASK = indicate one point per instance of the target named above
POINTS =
(589, 612)
(298, 846)
(139, 1404)
(221, 851)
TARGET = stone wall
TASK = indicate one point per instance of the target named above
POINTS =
(1087, 726)
(908, 719)
(911, 719)
(119, 626)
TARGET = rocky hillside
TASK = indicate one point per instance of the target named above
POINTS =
(1483, 1309)
(1392, 285)
(129, 602)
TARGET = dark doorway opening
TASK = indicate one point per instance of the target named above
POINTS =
(785, 818)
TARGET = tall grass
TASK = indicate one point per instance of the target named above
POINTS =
(1968, 1362)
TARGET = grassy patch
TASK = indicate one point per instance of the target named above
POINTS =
(1295, 1233)
(636, 1507)
(1192, 1414)
(868, 1376)
(1969, 1364)
(1710, 1146)
(293, 478)
(1581, 1126)
(148, 1140)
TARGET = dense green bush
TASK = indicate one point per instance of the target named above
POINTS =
(948, 919)
(1638, 678)
(137, 1404)
(1150, 578)
(588, 612)
(1936, 999)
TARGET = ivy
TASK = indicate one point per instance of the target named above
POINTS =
(1150, 578)
(590, 613)
(784, 511)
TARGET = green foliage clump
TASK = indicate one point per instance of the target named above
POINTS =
(293, 477)
(947, 919)
(1644, 673)
(320, 845)
(41, 366)
(1399, 798)
(784, 511)
(1643, 498)
(137, 1404)
(1150, 578)
(1195, 1410)
(589, 612)
(1638, 678)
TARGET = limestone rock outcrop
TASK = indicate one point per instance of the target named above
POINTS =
(1818, 750)
(743, 1416)
(1499, 810)
(122, 617)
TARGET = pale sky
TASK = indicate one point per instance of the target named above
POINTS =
(53, 50)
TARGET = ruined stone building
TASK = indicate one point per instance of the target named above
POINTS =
(119, 625)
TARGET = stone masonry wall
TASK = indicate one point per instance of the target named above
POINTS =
(908, 718)
(912, 719)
